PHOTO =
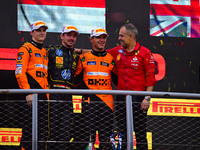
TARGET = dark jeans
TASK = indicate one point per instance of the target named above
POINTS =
(139, 120)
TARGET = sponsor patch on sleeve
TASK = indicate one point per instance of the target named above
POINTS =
(20, 53)
(19, 65)
(18, 69)
(19, 57)
(19, 62)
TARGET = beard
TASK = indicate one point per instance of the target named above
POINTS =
(70, 44)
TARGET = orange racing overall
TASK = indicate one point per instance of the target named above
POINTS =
(96, 70)
(31, 73)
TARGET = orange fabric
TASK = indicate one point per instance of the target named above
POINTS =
(23, 148)
(33, 61)
(97, 74)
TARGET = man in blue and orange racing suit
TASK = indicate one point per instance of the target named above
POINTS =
(97, 70)
(31, 73)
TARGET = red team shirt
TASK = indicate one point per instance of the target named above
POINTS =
(136, 70)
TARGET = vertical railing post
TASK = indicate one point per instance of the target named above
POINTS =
(129, 121)
(35, 122)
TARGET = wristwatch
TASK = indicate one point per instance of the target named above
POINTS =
(147, 98)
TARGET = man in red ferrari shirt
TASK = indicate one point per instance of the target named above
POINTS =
(136, 71)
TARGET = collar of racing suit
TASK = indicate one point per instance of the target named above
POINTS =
(99, 54)
(38, 45)
(70, 50)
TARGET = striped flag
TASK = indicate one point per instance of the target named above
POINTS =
(175, 18)
(84, 14)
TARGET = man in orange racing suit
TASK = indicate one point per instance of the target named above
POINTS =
(96, 70)
(31, 73)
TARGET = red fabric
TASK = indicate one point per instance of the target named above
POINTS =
(8, 53)
(179, 10)
(7, 58)
(136, 70)
(73, 3)
(7, 64)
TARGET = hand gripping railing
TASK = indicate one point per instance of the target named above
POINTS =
(128, 94)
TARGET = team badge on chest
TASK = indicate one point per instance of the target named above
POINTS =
(59, 62)
(118, 57)
(66, 74)
(59, 52)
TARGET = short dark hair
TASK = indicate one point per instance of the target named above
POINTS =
(131, 29)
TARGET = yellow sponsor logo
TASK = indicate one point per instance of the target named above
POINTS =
(10, 136)
(100, 30)
(77, 103)
(118, 57)
(71, 28)
(174, 107)
(39, 23)
(59, 60)
(19, 62)
(149, 140)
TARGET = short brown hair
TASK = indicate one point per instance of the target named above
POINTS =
(131, 29)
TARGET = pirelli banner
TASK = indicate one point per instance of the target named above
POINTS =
(10, 136)
(174, 124)
(174, 107)
(169, 120)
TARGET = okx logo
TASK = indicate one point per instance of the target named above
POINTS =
(98, 82)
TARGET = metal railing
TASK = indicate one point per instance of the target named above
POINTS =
(130, 141)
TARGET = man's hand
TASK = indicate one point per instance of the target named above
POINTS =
(145, 105)
(81, 51)
(78, 50)
(29, 99)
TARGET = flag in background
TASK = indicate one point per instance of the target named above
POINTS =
(175, 18)
(84, 14)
